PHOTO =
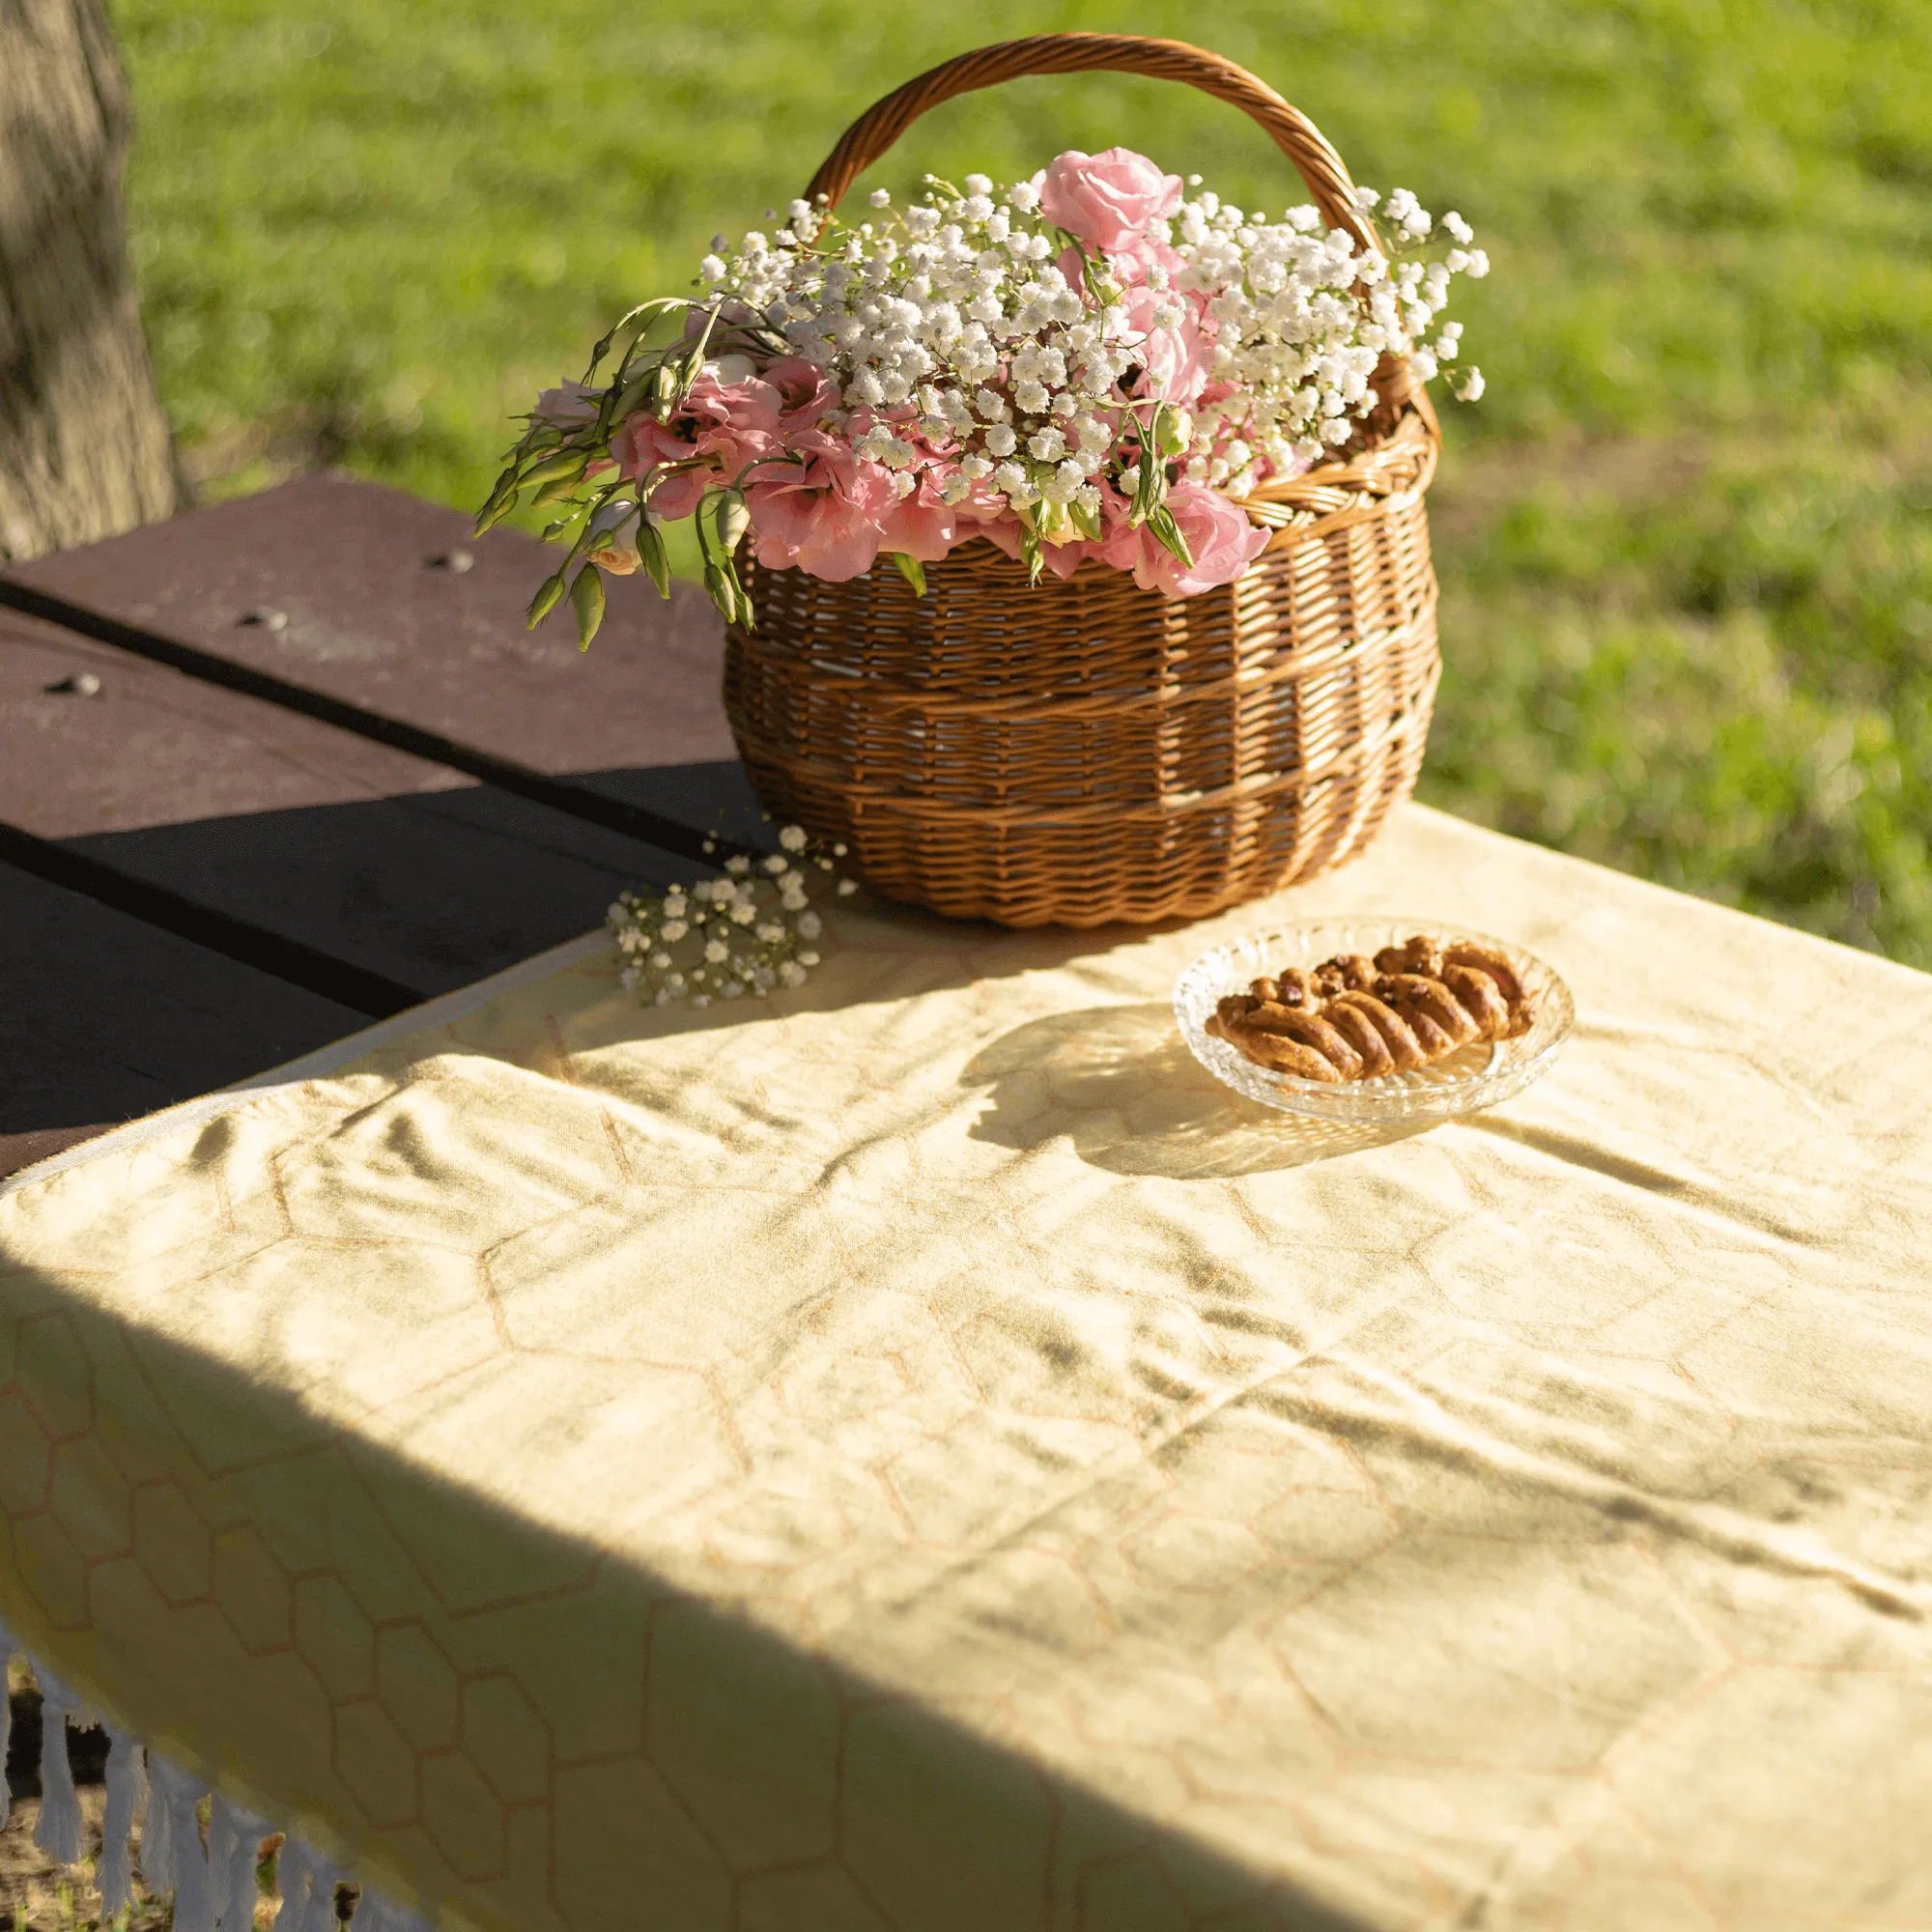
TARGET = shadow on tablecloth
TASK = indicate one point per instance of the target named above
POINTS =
(1120, 1083)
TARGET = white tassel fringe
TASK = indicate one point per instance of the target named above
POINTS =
(58, 1833)
(179, 1865)
(125, 1776)
(7, 1648)
(213, 1891)
(308, 1883)
(234, 1837)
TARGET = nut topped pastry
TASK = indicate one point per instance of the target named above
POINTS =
(1351, 1018)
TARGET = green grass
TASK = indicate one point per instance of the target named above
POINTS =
(1684, 541)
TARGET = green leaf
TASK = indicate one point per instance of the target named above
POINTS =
(1151, 490)
(1033, 553)
(1087, 522)
(545, 601)
(1167, 534)
(912, 570)
(586, 597)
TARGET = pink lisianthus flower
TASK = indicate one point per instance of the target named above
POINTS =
(824, 514)
(1107, 200)
(568, 404)
(920, 526)
(806, 392)
(724, 426)
(1173, 360)
(1221, 539)
(1062, 558)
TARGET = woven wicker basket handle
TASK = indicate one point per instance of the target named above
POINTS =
(882, 124)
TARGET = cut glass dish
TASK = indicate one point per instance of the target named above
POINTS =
(1478, 1075)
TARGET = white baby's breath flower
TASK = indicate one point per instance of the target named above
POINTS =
(808, 925)
(716, 952)
(793, 837)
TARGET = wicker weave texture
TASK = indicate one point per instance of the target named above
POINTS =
(1082, 752)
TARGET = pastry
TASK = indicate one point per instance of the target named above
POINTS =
(1351, 1018)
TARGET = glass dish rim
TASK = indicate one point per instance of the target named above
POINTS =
(1390, 1097)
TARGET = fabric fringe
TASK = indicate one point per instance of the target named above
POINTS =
(234, 1837)
(308, 1883)
(8, 1647)
(127, 1777)
(58, 1833)
(179, 1864)
(213, 1890)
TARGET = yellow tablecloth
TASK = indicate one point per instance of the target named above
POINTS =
(919, 1455)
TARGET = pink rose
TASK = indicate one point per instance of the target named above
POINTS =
(1173, 360)
(1128, 265)
(824, 515)
(1219, 536)
(1107, 199)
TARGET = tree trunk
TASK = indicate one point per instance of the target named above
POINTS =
(84, 448)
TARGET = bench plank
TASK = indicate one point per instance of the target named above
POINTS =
(106, 1018)
(362, 608)
(262, 817)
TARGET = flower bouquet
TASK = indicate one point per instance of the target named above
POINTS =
(892, 433)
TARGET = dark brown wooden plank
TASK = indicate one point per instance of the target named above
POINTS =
(105, 1018)
(360, 606)
(261, 821)
(18, 1151)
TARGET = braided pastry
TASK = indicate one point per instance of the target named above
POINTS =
(1351, 1018)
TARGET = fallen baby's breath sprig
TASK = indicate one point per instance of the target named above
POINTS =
(740, 936)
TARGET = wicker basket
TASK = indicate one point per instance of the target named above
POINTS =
(1081, 750)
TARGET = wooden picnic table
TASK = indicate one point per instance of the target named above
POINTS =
(294, 762)
(913, 1455)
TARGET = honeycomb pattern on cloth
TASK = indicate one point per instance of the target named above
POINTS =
(918, 1456)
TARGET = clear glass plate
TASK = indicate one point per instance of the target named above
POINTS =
(1478, 1075)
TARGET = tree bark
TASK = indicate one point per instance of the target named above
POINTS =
(84, 448)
